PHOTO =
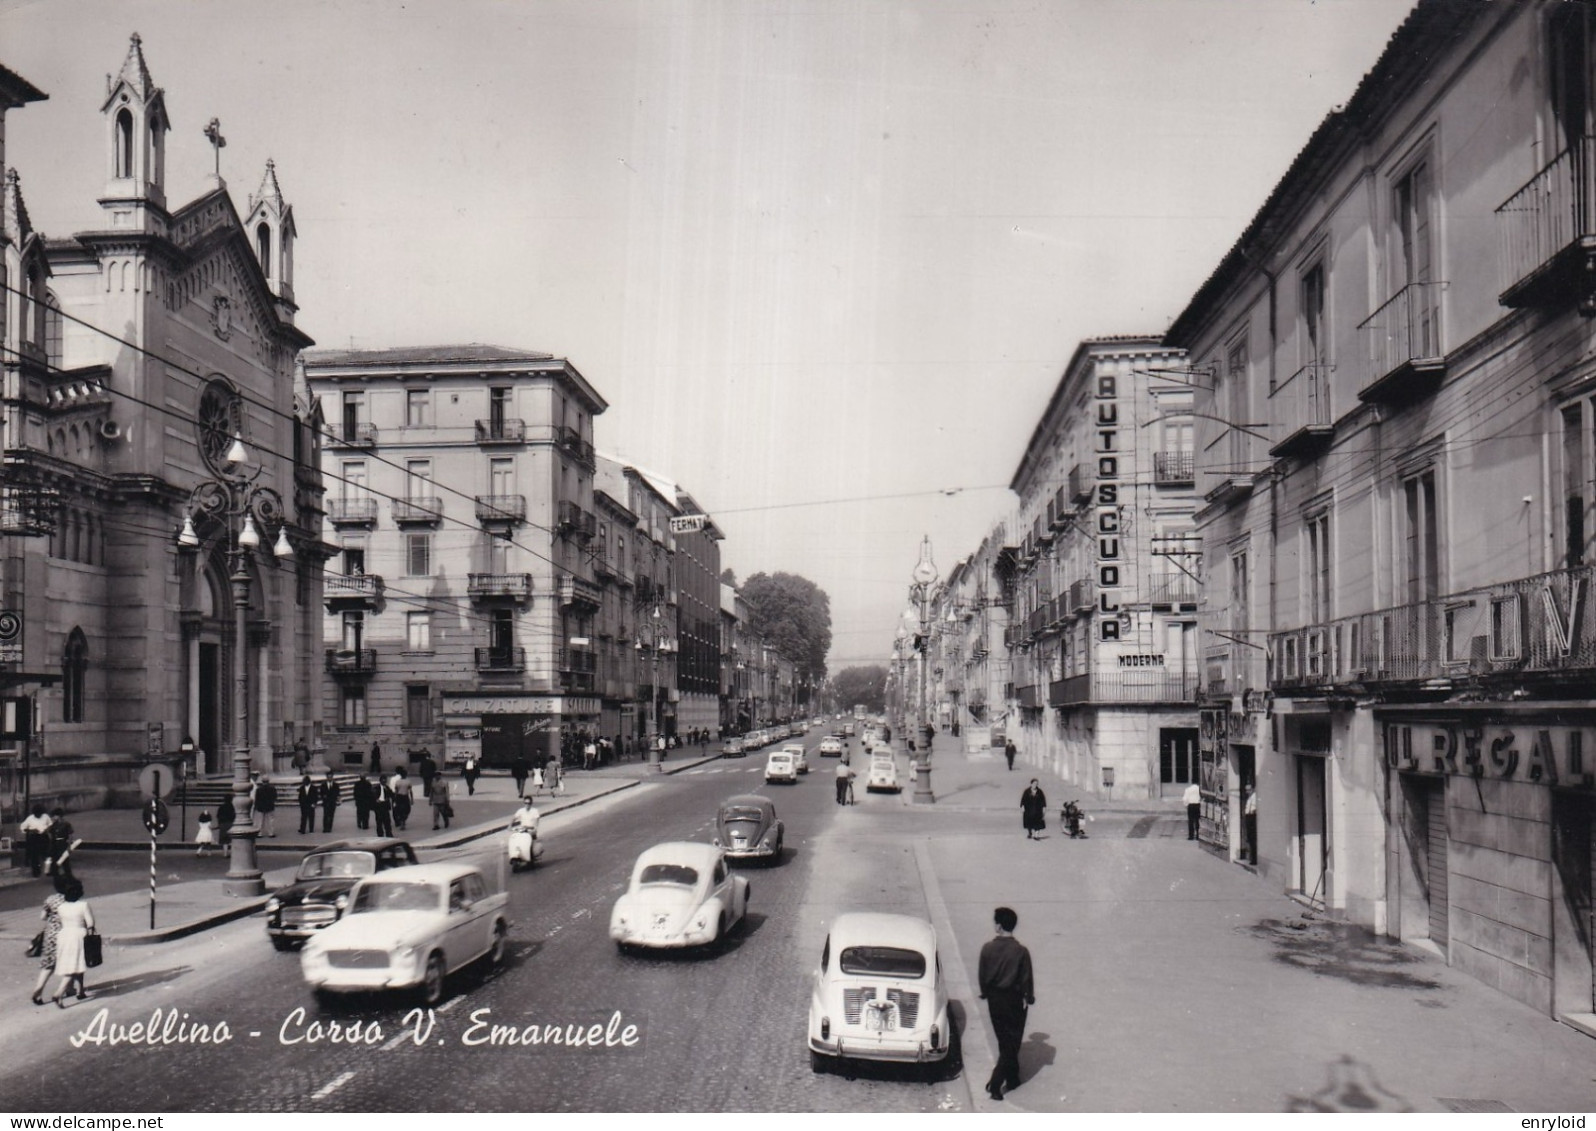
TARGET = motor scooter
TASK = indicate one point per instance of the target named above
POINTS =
(523, 846)
(1070, 818)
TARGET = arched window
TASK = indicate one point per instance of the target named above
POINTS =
(263, 248)
(74, 667)
(124, 143)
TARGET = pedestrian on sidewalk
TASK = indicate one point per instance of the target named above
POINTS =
(330, 795)
(362, 794)
(1033, 810)
(404, 797)
(204, 833)
(470, 771)
(301, 756)
(1009, 752)
(537, 780)
(77, 920)
(52, 931)
(306, 795)
(438, 797)
(226, 814)
(518, 771)
(266, 806)
(589, 754)
(1194, 807)
(427, 768)
(844, 781)
(556, 777)
(58, 843)
(382, 807)
(1004, 974)
(375, 764)
(35, 831)
(1249, 825)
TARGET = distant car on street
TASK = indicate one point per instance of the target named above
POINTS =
(878, 993)
(779, 767)
(746, 828)
(799, 756)
(831, 747)
(409, 928)
(319, 894)
(733, 747)
(682, 894)
(883, 777)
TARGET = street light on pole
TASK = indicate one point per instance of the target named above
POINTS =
(925, 577)
(234, 502)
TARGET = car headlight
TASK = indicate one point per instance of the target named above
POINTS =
(405, 954)
(341, 903)
(273, 905)
(701, 923)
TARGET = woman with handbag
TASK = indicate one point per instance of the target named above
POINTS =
(77, 923)
(47, 939)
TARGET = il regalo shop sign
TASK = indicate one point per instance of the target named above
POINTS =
(1518, 750)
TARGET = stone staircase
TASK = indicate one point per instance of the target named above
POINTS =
(209, 792)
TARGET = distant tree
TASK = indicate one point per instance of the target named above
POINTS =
(867, 685)
(727, 577)
(793, 614)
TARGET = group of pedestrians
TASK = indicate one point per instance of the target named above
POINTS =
(48, 841)
(68, 922)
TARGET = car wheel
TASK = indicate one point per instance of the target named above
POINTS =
(497, 947)
(432, 980)
(280, 943)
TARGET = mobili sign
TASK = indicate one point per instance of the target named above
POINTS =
(1552, 755)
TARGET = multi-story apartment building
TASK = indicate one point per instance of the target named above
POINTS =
(1397, 452)
(972, 610)
(656, 603)
(142, 358)
(732, 668)
(461, 604)
(616, 643)
(1104, 572)
(697, 578)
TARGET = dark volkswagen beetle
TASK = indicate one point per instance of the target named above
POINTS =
(320, 890)
(746, 828)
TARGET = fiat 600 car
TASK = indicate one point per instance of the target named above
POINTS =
(799, 758)
(879, 993)
(409, 928)
(682, 894)
(779, 766)
(883, 776)
(320, 892)
(746, 828)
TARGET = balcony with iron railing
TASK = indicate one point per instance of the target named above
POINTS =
(352, 661)
(500, 659)
(345, 592)
(579, 591)
(1233, 668)
(352, 512)
(1533, 626)
(1058, 510)
(1301, 411)
(1172, 589)
(1547, 231)
(1406, 358)
(354, 434)
(501, 508)
(1080, 483)
(503, 431)
(419, 510)
(1027, 695)
(571, 441)
(494, 586)
(1174, 469)
(1139, 685)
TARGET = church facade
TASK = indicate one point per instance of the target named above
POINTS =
(162, 557)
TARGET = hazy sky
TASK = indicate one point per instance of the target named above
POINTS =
(826, 260)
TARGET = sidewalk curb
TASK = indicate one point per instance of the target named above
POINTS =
(254, 904)
(958, 976)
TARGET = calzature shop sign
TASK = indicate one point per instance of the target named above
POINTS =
(1555, 755)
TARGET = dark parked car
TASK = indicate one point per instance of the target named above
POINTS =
(320, 890)
(746, 828)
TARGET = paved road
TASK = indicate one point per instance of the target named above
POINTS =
(721, 1032)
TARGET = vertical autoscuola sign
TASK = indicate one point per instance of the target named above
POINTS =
(1110, 553)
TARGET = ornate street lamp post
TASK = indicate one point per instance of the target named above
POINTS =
(235, 502)
(925, 577)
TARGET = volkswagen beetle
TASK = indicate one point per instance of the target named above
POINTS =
(879, 993)
(682, 894)
(746, 828)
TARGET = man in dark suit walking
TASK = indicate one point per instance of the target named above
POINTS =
(1005, 978)
(330, 796)
(307, 797)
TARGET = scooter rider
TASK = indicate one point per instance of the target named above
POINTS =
(522, 845)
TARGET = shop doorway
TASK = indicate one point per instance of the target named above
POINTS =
(1425, 829)
(1177, 757)
(1573, 916)
(1313, 837)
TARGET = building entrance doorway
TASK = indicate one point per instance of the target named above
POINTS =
(1573, 906)
(1177, 757)
(1313, 833)
(210, 707)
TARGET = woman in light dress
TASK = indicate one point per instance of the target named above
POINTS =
(52, 931)
(77, 920)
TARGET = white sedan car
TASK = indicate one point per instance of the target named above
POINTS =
(408, 928)
(879, 993)
(883, 777)
(799, 758)
(779, 766)
(682, 894)
(831, 747)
